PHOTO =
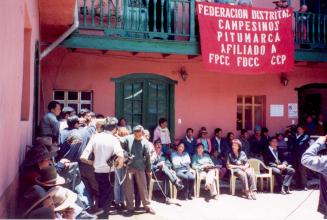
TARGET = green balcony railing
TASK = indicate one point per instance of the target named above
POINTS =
(144, 19)
(310, 29)
(168, 21)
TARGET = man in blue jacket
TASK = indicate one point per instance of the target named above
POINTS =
(316, 162)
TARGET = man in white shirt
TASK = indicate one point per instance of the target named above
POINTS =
(104, 145)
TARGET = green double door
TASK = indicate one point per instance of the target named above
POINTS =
(144, 99)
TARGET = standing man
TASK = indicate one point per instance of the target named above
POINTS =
(220, 144)
(65, 113)
(162, 132)
(312, 160)
(104, 145)
(85, 116)
(300, 145)
(244, 138)
(189, 142)
(136, 145)
(49, 125)
(282, 171)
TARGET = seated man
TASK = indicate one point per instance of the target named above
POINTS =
(280, 168)
(161, 167)
(206, 168)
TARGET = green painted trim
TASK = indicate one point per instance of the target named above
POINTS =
(172, 111)
(164, 46)
(134, 77)
(36, 89)
(135, 45)
(310, 55)
(118, 100)
(142, 76)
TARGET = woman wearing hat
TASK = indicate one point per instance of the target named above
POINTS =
(36, 159)
(49, 177)
(238, 162)
(204, 140)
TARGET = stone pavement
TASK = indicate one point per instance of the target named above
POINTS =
(267, 206)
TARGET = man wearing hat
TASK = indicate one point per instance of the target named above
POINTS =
(65, 113)
(136, 145)
(104, 145)
(34, 197)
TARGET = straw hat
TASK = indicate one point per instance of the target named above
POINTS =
(49, 177)
(62, 198)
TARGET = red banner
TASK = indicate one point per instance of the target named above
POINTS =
(238, 39)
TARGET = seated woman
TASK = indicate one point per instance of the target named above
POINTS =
(203, 163)
(161, 167)
(218, 162)
(237, 161)
(181, 163)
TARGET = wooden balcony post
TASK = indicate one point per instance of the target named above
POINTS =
(192, 20)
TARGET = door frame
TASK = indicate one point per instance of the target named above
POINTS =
(301, 91)
(146, 76)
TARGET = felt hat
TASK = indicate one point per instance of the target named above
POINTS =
(47, 141)
(34, 196)
(49, 177)
(203, 130)
(37, 154)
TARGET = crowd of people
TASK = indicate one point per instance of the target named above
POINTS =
(85, 165)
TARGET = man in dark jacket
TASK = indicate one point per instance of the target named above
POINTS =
(300, 145)
(312, 160)
(220, 144)
(282, 171)
(136, 145)
(161, 168)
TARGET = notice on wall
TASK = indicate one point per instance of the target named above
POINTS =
(241, 39)
(292, 110)
(276, 110)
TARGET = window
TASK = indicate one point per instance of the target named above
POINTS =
(75, 99)
(250, 112)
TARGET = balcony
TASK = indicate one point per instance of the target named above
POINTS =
(170, 27)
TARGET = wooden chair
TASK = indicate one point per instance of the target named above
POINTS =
(198, 180)
(151, 186)
(194, 189)
(256, 164)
